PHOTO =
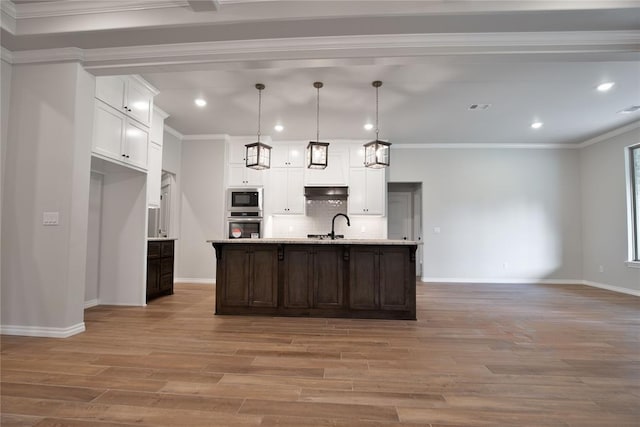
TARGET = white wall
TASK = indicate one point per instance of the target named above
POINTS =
(604, 213)
(46, 170)
(171, 162)
(504, 214)
(202, 209)
(5, 96)
(93, 240)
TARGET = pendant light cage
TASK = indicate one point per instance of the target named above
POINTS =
(258, 154)
(377, 154)
(317, 152)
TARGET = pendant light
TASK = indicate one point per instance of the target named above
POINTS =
(258, 154)
(317, 152)
(377, 154)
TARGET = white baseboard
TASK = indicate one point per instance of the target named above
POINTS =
(612, 288)
(454, 280)
(91, 303)
(459, 280)
(204, 281)
(40, 331)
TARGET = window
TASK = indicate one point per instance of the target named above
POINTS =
(634, 198)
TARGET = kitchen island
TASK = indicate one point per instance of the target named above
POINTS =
(316, 277)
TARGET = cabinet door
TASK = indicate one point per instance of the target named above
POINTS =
(139, 102)
(327, 277)
(278, 197)
(279, 156)
(296, 154)
(111, 90)
(295, 191)
(395, 274)
(298, 267)
(336, 171)
(237, 175)
(264, 277)
(357, 191)
(375, 191)
(154, 175)
(237, 152)
(153, 277)
(136, 144)
(254, 177)
(236, 276)
(356, 156)
(363, 275)
(108, 131)
(166, 275)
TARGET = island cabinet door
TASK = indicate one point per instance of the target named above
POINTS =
(263, 287)
(395, 274)
(363, 278)
(328, 277)
(297, 277)
(235, 287)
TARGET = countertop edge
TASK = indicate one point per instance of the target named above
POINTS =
(305, 241)
(160, 239)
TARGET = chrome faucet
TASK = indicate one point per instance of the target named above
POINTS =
(333, 224)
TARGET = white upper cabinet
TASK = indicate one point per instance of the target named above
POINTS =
(356, 155)
(286, 191)
(128, 95)
(367, 189)
(336, 172)
(242, 176)
(117, 138)
(288, 155)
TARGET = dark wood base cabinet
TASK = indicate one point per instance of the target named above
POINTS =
(160, 254)
(316, 280)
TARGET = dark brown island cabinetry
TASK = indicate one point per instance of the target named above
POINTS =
(160, 255)
(250, 275)
(317, 279)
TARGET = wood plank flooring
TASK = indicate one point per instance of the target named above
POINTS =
(479, 355)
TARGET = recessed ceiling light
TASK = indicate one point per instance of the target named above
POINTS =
(278, 128)
(200, 102)
(603, 87)
(368, 126)
(536, 125)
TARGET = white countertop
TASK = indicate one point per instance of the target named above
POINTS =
(159, 239)
(309, 241)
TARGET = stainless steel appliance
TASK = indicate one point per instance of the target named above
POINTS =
(244, 228)
(247, 200)
(244, 213)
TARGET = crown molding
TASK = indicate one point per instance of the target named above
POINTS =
(66, 54)
(146, 84)
(47, 9)
(8, 16)
(608, 135)
(160, 112)
(393, 45)
(174, 132)
(205, 137)
(396, 45)
(468, 145)
(6, 55)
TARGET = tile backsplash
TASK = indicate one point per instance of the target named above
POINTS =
(318, 221)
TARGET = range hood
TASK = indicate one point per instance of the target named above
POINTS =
(326, 193)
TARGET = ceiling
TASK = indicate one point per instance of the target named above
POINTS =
(529, 60)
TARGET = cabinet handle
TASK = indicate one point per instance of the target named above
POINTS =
(124, 155)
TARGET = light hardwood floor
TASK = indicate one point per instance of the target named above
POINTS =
(479, 355)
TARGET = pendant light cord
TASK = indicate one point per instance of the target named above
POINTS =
(259, 111)
(377, 128)
(318, 116)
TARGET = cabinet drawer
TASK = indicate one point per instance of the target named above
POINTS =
(154, 250)
(167, 249)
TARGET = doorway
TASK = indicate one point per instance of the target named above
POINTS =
(404, 215)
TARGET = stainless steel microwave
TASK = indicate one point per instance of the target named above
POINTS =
(244, 200)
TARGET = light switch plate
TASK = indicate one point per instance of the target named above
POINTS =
(50, 218)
